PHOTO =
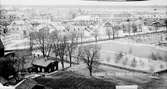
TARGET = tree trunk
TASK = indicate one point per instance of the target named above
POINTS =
(50, 48)
(90, 71)
(113, 34)
(96, 39)
(62, 63)
(70, 60)
(43, 52)
(109, 37)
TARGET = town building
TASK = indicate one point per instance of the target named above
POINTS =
(49, 64)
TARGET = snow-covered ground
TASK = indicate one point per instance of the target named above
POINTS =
(6, 87)
(140, 52)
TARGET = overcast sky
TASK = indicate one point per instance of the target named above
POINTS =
(79, 2)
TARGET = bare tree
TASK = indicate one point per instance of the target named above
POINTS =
(72, 44)
(81, 34)
(6, 20)
(79, 53)
(166, 24)
(133, 63)
(134, 28)
(60, 49)
(129, 26)
(31, 36)
(90, 55)
(118, 57)
(108, 32)
(115, 29)
(42, 41)
(95, 34)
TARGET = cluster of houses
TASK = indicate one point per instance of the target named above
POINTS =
(33, 64)
(20, 29)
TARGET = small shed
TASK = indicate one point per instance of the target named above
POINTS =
(2, 48)
(45, 65)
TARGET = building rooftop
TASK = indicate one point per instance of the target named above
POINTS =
(44, 61)
(72, 80)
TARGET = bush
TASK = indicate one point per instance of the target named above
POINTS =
(154, 57)
(141, 63)
(134, 63)
(161, 66)
(118, 57)
(151, 68)
(108, 59)
(125, 61)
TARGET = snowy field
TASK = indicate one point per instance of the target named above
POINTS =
(140, 52)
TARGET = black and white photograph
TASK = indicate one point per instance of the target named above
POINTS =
(83, 44)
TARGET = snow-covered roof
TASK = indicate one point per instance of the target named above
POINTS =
(51, 27)
(85, 17)
(43, 62)
(126, 87)
(18, 22)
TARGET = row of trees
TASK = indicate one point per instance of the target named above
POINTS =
(59, 43)
(63, 44)
(112, 30)
(5, 20)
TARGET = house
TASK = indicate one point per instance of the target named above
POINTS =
(2, 48)
(45, 64)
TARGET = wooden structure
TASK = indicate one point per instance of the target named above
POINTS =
(45, 65)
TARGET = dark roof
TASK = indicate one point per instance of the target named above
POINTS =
(161, 71)
(71, 80)
(9, 54)
(26, 84)
(1, 44)
(30, 84)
